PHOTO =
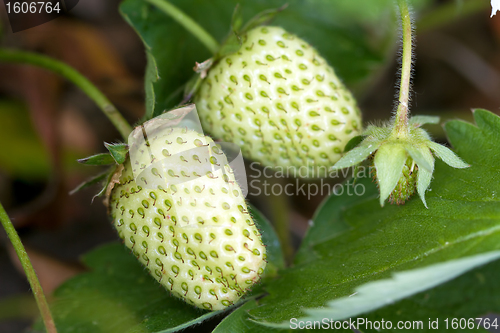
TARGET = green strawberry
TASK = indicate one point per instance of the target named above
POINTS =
(185, 218)
(280, 101)
(406, 184)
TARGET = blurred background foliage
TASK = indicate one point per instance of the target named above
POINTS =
(46, 123)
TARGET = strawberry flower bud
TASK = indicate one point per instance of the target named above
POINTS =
(402, 163)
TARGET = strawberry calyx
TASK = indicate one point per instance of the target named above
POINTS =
(231, 44)
(402, 163)
(118, 153)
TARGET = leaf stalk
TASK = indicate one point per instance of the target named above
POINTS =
(188, 23)
(75, 77)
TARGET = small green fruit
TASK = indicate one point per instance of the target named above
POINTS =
(185, 218)
(280, 101)
(406, 185)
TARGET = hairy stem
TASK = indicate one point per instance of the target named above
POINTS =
(402, 113)
(75, 77)
(36, 288)
(188, 23)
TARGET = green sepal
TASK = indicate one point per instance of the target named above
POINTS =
(108, 176)
(236, 19)
(389, 161)
(356, 155)
(419, 155)
(422, 120)
(191, 87)
(378, 132)
(151, 77)
(233, 42)
(424, 176)
(94, 180)
(99, 159)
(262, 18)
(447, 156)
(118, 151)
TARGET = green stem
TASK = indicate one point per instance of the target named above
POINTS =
(74, 76)
(402, 113)
(36, 288)
(280, 216)
(188, 23)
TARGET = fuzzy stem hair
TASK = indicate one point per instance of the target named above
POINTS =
(403, 111)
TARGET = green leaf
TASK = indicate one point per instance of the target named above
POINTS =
(239, 321)
(487, 121)
(379, 293)
(99, 159)
(362, 242)
(479, 286)
(21, 306)
(327, 222)
(446, 301)
(275, 258)
(118, 151)
(118, 295)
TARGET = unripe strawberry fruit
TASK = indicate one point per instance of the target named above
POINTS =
(185, 219)
(406, 184)
(280, 101)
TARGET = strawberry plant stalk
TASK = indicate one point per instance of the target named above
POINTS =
(74, 76)
(402, 114)
(30, 272)
(188, 23)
